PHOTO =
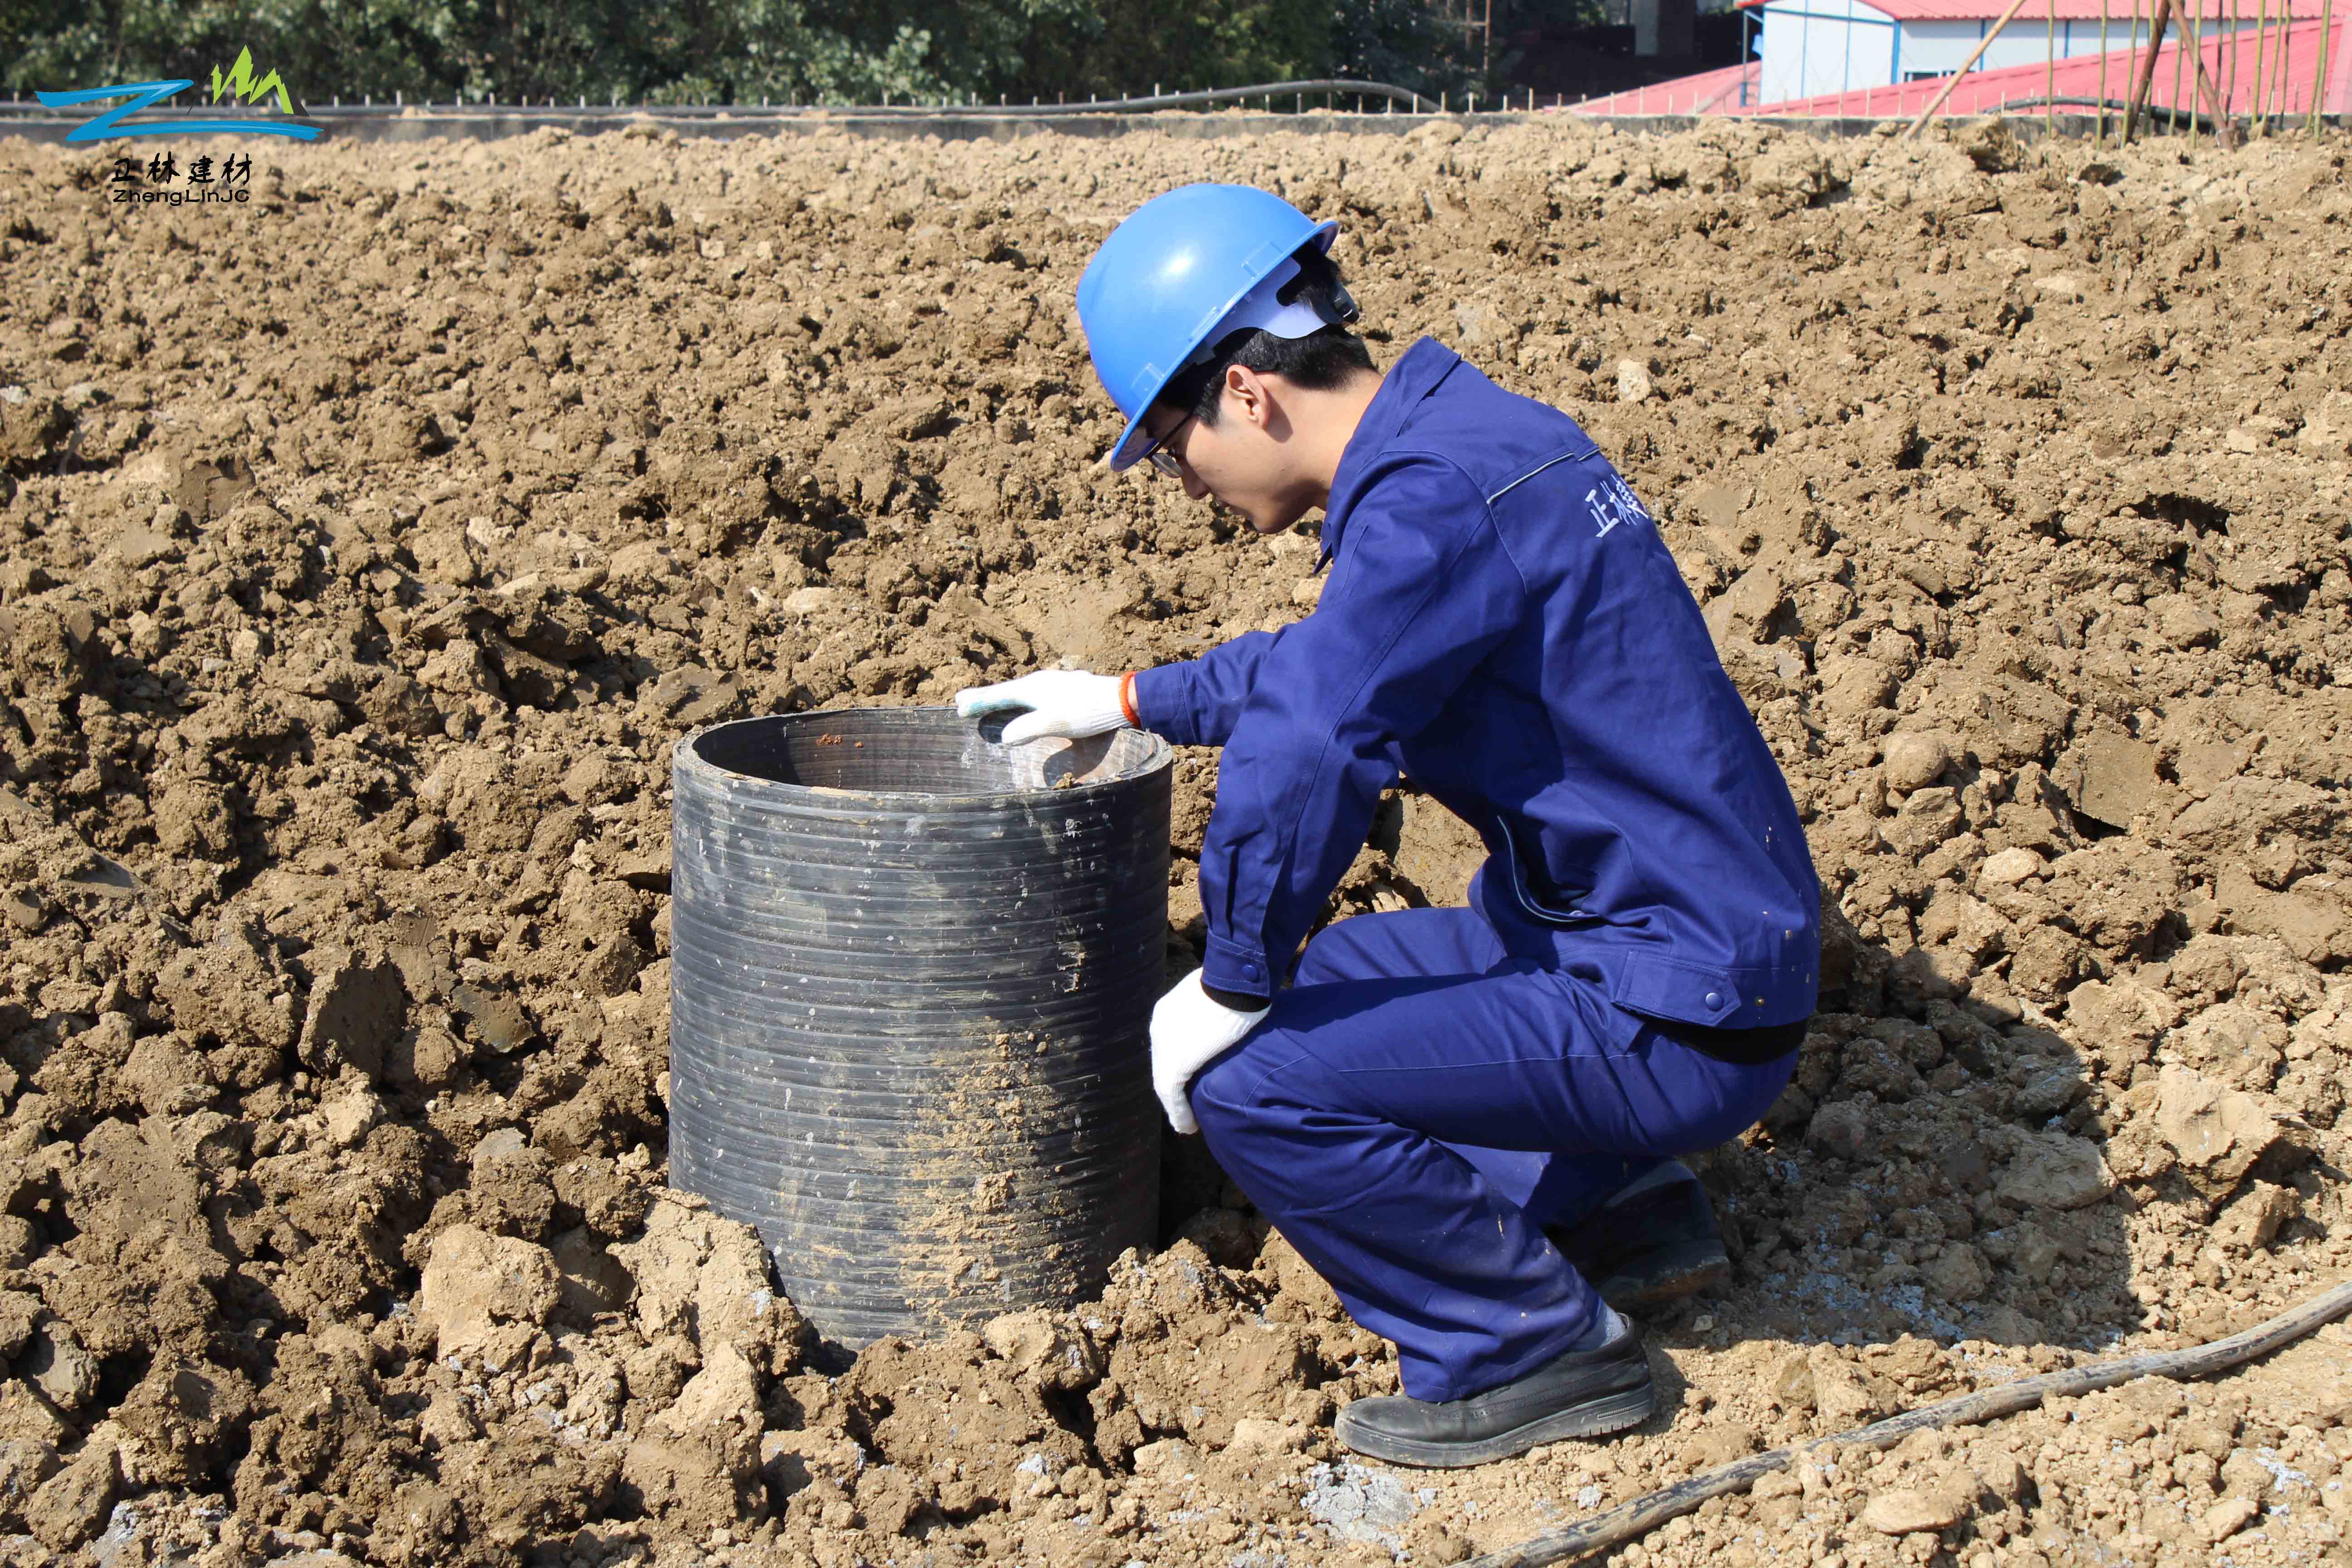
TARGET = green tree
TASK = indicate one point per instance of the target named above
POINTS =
(739, 51)
(1405, 43)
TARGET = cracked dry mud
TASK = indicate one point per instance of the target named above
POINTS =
(362, 558)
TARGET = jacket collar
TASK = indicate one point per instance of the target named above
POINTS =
(1417, 374)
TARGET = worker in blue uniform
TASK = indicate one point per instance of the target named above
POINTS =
(1464, 1119)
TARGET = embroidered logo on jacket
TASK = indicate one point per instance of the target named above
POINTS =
(1610, 502)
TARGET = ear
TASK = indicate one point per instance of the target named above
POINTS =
(1248, 395)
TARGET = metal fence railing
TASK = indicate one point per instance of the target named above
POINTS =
(1347, 99)
(1345, 93)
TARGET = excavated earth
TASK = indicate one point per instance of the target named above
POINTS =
(366, 547)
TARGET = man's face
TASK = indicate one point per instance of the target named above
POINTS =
(1236, 460)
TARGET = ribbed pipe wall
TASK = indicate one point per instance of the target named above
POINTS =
(912, 972)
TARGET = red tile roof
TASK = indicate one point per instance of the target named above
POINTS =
(2021, 89)
(2120, 11)
(1709, 92)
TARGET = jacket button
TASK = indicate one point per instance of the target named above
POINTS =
(1715, 998)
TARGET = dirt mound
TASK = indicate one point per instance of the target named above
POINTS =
(362, 557)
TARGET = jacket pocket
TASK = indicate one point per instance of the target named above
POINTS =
(1557, 907)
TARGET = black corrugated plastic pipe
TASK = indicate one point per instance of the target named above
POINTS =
(912, 973)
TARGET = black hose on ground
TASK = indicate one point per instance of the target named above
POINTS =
(1631, 1521)
(1403, 98)
(2116, 106)
(1147, 103)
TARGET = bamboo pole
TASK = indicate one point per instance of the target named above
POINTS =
(1968, 65)
(2261, 57)
(2258, 111)
(2278, 100)
(2223, 132)
(2050, 72)
(2228, 92)
(2100, 140)
(2319, 74)
(2267, 50)
(2266, 109)
(1630, 1521)
(2158, 18)
(2195, 48)
(2124, 131)
(2133, 40)
(2172, 110)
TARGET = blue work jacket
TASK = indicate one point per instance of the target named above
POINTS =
(1502, 625)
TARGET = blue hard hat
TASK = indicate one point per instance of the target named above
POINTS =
(1158, 288)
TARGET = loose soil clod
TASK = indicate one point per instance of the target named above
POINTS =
(361, 556)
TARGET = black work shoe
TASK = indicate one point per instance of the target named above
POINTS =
(1584, 1393)
(1655, 1246)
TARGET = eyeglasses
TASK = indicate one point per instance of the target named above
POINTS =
(1158, 455)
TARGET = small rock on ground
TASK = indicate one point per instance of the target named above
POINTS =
(1904, 1512)
(2229, 1516)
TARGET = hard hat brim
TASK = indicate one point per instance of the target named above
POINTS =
(1129, 449)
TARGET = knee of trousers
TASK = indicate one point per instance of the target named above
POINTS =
(1236, 1100)
(1743, 1095)
(1323, 959)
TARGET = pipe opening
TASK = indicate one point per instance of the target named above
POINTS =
(925, 752)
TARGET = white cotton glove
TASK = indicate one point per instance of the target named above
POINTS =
(1066, 702)
(1189, 1029)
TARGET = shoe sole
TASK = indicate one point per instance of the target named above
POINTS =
(1594, 1419)
(1672, 1274)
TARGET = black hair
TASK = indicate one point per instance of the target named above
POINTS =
(1324, 358)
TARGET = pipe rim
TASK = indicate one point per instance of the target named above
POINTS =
(688, 763)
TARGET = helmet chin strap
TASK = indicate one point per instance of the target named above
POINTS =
(1343, 308)
(1267, 310)
(1335, 305)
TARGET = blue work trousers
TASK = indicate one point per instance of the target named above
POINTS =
(1419, 1104)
